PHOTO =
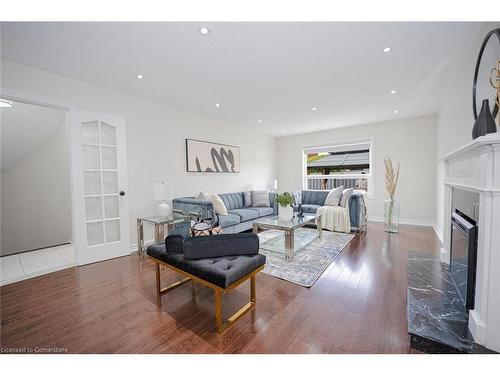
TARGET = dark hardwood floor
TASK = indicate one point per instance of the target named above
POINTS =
(358, 305)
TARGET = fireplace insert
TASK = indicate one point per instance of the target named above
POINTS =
(463, 256)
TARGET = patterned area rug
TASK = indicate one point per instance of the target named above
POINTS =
(310, 262)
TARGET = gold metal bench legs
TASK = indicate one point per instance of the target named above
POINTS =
(220, 324)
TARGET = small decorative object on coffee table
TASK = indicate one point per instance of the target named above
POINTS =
(290, 244)
(285, 208)
(391, 212)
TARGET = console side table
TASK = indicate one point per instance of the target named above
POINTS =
(160, 224)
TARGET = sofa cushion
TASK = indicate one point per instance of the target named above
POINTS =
(263, 211)
(310, 208)
(245, 214)
(316, 197)
(221, 246)
(222, 271)
(232, 201)
(228, 220)
(247, 199)
(260, 198)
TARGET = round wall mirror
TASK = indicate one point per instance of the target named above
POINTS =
(488, 58)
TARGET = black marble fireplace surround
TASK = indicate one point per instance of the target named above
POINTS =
(437, 317)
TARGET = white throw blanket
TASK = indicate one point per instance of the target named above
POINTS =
(335, 218)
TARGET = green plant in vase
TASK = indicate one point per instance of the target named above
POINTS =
(285, 209)
(391, 205)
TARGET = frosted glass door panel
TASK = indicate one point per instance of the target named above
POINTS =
(112, 230)
(90, 156)
(110, 182)
(93, 207)
(108, 134)
(92, 183)
(111, 207)
(95, 234)
(109, 160)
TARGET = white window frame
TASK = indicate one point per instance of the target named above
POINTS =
(341, 146)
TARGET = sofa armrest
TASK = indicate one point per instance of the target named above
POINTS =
(221, 245)
(190, 204)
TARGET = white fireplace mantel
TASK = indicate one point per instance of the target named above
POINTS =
(476, 167)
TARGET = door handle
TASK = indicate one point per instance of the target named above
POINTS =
(122, 193)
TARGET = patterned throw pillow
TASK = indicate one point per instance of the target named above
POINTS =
(247, 199)
(333, 197)
(260, 198)
(297, 197)
(346, 194)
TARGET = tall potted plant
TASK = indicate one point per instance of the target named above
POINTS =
(391, 211)
(285, 208)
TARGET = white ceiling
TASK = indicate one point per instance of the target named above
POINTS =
(25, 128)
(275, 72)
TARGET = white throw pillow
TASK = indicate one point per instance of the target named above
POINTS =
(219, 206)
(333, 197)
(346, 194)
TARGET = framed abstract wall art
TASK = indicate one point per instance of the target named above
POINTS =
(202, 156)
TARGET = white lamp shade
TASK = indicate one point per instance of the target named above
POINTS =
(162, 191)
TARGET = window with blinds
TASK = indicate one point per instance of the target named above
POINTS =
(347, 165)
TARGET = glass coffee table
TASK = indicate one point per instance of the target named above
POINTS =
(290, 243)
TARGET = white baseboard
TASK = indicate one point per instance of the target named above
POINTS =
(133, 246)
(438, 231)
(422, 223)
(477, 328)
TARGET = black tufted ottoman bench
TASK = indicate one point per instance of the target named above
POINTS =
(221, 262)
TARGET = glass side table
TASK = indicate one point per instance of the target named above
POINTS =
(160, 224)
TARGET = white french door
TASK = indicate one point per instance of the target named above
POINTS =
(99, 174)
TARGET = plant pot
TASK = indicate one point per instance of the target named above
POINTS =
(391, 216)
(285, 213)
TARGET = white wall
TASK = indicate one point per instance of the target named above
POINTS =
(409, 141)
(36, 198)
(455, 118)
(155, 138)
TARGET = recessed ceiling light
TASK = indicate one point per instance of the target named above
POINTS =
(139, 76)
(395, 111)
(393, 92)
(204, 31)
(387, 49)
(217, 105)
(314, 109)
(5, 103)
(284, 130)
(259, 121)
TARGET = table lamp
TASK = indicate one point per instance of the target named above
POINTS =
(162, 194)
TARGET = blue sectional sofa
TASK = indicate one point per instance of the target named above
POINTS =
(241, 218)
